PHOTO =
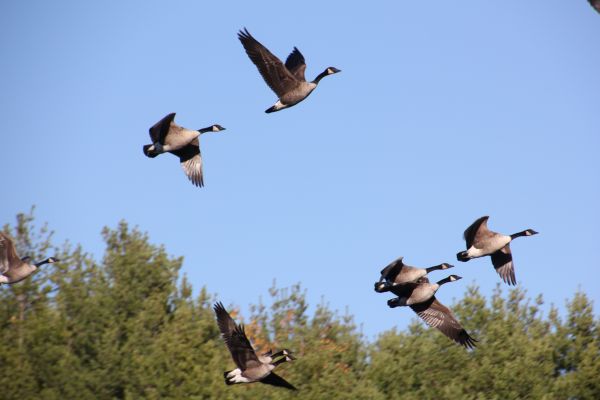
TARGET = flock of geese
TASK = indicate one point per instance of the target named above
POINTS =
(409, 284)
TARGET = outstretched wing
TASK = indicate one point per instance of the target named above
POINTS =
(276, 380)
(595, 4)
(275, 74)
(390, 272)
(436, 315)
(471, 232)
(235, 338)
(8, 253)
(159, 130)
(296, 65)
(191, 162)
(502, 261)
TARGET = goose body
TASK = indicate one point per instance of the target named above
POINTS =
(184, 143)
(481, 242)
(250, 366)
(286, 80)
(12, 268)
(420, 297)
(398, 272)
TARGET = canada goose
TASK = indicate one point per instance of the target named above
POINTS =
(483, 242)
(420, 297)
(250, 367)
(12, 268)
(167, 136)
(287, 81)
(398, 272)
(595, 4)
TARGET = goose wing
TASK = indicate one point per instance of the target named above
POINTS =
(8, 253)
(191, 162)
(595, 4)
(235, 338)
(159, 130)
(296, 65)
(502, 261)
(477, 228)
(390, 272)
(276, 380)
(436, 315)
(275, 74)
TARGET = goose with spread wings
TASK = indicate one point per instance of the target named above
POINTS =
(167, 136)
(286, 80)
(12, 268)
(250, 366)
(420, 297)
(483, 242)
(398, 272)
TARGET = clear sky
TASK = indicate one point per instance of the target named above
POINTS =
(442, 113)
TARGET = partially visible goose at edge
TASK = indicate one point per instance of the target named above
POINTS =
(483, 242)
(167, 136)
(595, 4)
(250, 367)
(287, 81)
(420, 297)
(398, 272)
(12, 268)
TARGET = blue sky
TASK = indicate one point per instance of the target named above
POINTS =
(442, 113)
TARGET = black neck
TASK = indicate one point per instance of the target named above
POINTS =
(39, 264)
(434, 268)
(207, 129)
(445, 280)
(320, 76)
(281, 360)
(518, 234)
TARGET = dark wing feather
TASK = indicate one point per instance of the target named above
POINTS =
(595, 4)
(191, 162)
(8, 253)
(235, 338)
(275, 74)
(159, 130)
(405, 289)
(276, 380)
(436, 315)
(296, 65)
(471, 232)
(390, 272)
(502, 261)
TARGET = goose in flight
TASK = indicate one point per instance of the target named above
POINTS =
(250, 366)
(420, 297)
(287, 81)
(483, 242)
(14, 269)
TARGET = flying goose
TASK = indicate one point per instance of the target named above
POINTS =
(250, 367)
(483, 242)
(12, 268)
(398, 272)
(287, 81)
(420, 297)
(595, 4)
(167, 136)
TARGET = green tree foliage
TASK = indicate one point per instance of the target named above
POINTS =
(128, 327)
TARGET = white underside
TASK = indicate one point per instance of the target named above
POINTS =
(3, 279)
(235, 376)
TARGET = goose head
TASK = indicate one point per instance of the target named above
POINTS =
(217, 128)
(332, 70)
